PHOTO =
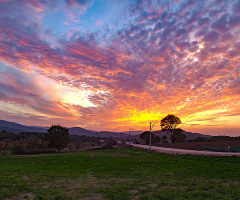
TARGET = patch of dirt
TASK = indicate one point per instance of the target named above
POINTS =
(94, 196)
(87, 184)
(153, 185)
(134, 191)
(135, 197)
(46, 186)
(174, 187)
(60, 181)
(228, 183)
(142, 188)
(25, 177)
(28, 196)
(169, 174)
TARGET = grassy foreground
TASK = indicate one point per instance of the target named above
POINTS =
(119, 174)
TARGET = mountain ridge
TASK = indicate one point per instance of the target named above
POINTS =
(17, 128)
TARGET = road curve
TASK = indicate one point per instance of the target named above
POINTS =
(185, 151)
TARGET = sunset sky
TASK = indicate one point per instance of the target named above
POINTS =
(115, 65)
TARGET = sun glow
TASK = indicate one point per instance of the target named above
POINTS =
(140, 117)
(76, 97)
(64, 93)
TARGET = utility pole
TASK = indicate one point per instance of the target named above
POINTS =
(131, 129)
(150, 138)
(152, 123)
(129, 136)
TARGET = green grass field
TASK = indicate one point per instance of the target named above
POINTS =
(119, 174)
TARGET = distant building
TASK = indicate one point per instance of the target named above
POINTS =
(129, 143)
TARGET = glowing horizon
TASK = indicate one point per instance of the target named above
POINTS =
(112, 65)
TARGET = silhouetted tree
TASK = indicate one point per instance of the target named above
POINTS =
(145, 136)
(169, 123)
(57, 137)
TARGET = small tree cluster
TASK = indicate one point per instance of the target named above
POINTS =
(29, 144)
(178, 136)
(169, 124)
(146, 136)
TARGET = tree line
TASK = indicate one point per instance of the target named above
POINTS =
(56, 139)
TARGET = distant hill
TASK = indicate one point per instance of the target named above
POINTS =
(136, 132)
(82, 131)
(17, 128)
(113, 134)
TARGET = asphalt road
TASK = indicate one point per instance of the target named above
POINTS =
(184, 151)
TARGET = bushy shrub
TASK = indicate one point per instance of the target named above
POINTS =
(2, 145)
(17, 149)
(107, 146)
(146, 136)
(178, 137)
